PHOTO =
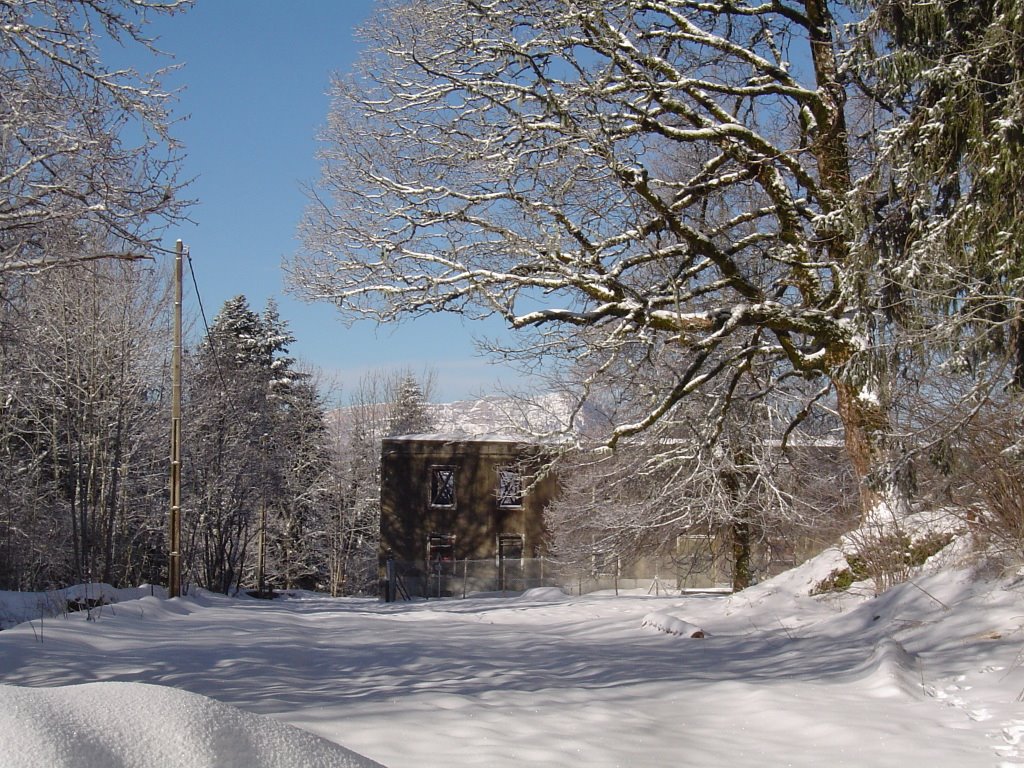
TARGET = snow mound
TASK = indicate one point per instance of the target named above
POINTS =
(664, 622)
(132, 725)
(544, 595)
(794, 585)
(800, 581)
(921, 524)
(890, 670)
(19, 607)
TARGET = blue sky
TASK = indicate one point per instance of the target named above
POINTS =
(255, 77)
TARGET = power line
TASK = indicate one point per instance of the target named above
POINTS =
(202, 312)
(199, 296)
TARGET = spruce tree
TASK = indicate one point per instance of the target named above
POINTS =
(945, 201)
(257, 448)
(408, 412)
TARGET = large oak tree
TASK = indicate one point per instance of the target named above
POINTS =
(657, 172)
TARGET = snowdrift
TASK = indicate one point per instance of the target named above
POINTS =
(132, 725)
(928, 673)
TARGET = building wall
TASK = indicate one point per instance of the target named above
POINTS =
(476, 519)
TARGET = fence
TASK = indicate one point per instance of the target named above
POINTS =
(462, 578)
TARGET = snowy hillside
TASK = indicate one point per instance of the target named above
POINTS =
(510, 416)
(503, 415)
(928, 673)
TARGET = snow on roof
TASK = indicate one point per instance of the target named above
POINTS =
(460, 437)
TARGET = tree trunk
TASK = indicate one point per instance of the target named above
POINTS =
(1017, 342)
(876, 459)
(740, 555)
(863, 408)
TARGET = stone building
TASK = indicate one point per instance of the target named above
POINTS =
(452, 498)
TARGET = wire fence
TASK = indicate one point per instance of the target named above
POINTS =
(404, 580)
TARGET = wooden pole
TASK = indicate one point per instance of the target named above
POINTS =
(174, 559)
(261, 561)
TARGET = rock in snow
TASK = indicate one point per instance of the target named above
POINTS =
(664, 622)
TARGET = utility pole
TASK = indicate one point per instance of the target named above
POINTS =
(261, 561)
(174, 559)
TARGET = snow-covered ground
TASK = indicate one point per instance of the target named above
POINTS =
(929, 673)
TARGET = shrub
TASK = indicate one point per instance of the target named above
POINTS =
(886, 558)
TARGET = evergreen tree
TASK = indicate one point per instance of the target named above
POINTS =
(273, 346)
(945, 201)
(257, 453)
(943, 216)
(408, 412)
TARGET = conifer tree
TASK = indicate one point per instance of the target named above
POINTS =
(946, 197)
(257, 452)
(408, 412)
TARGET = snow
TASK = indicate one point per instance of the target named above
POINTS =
(673, 625)
(869, 397)
(136, 724)
(928, 673)
(491, 418)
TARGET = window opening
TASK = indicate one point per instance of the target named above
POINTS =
(442, 487)
(510, 488)
(441, 547)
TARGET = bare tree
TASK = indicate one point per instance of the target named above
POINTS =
(509, 158)
(355, 525)
(83, 437)
(84, 146)
(724, 471)
(297, 534)
(381, 404)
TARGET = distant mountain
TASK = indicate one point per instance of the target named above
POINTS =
(487, 416)
(540, 415)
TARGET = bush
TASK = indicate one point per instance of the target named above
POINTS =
(886, 558)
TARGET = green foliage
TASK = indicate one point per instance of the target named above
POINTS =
(944, 228)
(839, 580)
(842, 579)
(921, 549)
(886, 558)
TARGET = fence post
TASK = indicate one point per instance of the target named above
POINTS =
(389, 589)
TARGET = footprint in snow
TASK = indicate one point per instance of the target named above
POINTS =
(1009, 752)
(1013, 733)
